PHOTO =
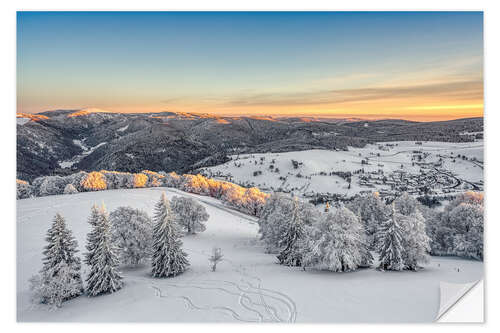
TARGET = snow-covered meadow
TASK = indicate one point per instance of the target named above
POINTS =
(273, 171)
(248, 286)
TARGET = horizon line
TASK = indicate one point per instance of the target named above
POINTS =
(360, 117)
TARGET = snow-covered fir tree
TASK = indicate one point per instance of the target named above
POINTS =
(291, 253)
(102, 257)
(131, 232)
(336, 243)
(60, 277)
(168, 258)
(189, 214)
(390, 243)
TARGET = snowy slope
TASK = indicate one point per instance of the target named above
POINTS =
(248, 285)
(308, 179)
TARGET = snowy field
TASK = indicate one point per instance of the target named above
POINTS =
(441, 159)
(248, 286)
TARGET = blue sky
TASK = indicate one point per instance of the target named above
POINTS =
(250, 62)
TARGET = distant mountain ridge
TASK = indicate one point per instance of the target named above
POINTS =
(171, 141)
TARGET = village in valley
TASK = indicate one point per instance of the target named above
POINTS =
(434, 170)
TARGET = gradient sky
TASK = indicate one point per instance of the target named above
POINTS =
(411, 65)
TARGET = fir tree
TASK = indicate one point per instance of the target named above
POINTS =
(168, 257)
(390, 244)
(101, 256)
(291, 254)
(59, 278)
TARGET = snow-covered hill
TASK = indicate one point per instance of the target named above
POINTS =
(442, 167)
(248, 286)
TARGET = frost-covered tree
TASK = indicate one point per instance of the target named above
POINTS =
(48, 185)
(215, 258)
(24, 189)
(372, 211)
(336, 243)
(406, 204)
(467, 221)
(253, 200)
(415, 240)
(291, 253)
(273, 221)
(276, 216)
(101, 257)
(189, 214)
(458, 229)
(131, 232)
(60, 277)
(76, 179)
(70, 189)
(168, 258)
(94, 181)
(390, 243)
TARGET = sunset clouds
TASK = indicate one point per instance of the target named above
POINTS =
(421, 66)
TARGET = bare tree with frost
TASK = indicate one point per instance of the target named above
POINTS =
(336, 243)
(189, 214)
(215, 258)
(131, 232)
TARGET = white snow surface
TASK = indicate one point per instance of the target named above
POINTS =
(248, 286)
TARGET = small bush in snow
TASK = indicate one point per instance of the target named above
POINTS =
(215, 258)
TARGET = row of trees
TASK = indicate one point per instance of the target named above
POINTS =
(126, 236)
(456, 230)
(247, 200)
(403, 233)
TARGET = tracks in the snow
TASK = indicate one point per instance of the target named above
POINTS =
(255, 304)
